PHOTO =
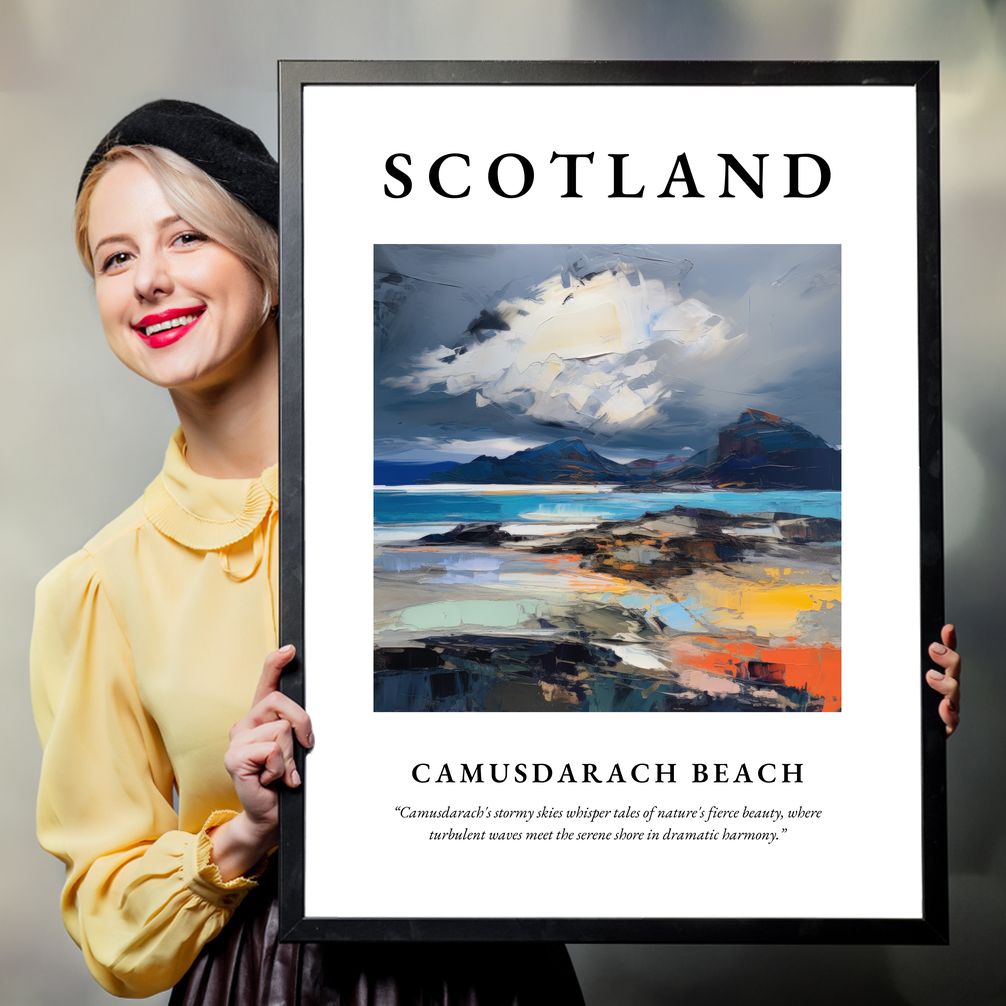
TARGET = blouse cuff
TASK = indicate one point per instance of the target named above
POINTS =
(202, 876)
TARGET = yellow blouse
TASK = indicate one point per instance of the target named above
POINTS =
(147, 647)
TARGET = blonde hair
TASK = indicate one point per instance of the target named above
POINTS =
(199, 200)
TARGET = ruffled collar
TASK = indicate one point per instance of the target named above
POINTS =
(203, 513)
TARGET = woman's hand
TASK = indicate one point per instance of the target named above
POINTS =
(948, 681)
(260, 753)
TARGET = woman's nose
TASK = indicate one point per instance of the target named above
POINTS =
(152, 277)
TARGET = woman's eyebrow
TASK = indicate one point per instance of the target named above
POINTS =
(160, 225)
(109, 240)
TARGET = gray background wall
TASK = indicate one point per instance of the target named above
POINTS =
(81, 436)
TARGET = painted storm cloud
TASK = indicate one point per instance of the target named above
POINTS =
(607, 478)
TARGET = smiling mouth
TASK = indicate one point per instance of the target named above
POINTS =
(185, 319)
(167, 321)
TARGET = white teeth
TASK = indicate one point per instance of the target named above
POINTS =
(173, 323)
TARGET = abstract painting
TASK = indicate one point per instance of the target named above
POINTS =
(607, 478)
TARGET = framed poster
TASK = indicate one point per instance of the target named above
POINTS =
(611, 427)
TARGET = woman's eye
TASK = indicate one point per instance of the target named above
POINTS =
(189, 238)
(114, 261)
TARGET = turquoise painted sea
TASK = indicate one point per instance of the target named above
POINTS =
(400, 509)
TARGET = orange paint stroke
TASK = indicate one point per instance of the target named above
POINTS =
(816, 668)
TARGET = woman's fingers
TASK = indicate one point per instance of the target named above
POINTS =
(270, 703)
(947, 680)
(274, 766)
(278, 735)
(949, 712)
(947, 686)
(259, 760)
(949, 660)
(271, 671)
(261, 749)
(949, 636)
(277, 706)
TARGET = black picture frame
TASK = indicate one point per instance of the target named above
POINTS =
(931, 927)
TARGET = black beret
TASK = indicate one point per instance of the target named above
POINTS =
(231, 154)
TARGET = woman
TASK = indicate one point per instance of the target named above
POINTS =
(148, 643)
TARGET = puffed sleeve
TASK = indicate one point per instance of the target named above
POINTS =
(141, 898)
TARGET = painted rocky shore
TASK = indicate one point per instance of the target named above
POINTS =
(682, 609)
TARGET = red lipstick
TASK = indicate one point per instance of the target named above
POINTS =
(165, 333)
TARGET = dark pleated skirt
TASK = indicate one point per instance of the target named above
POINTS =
(246, 965)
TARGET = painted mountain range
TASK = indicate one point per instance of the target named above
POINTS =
(560, 462)
(763, 451)
(758, 451)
